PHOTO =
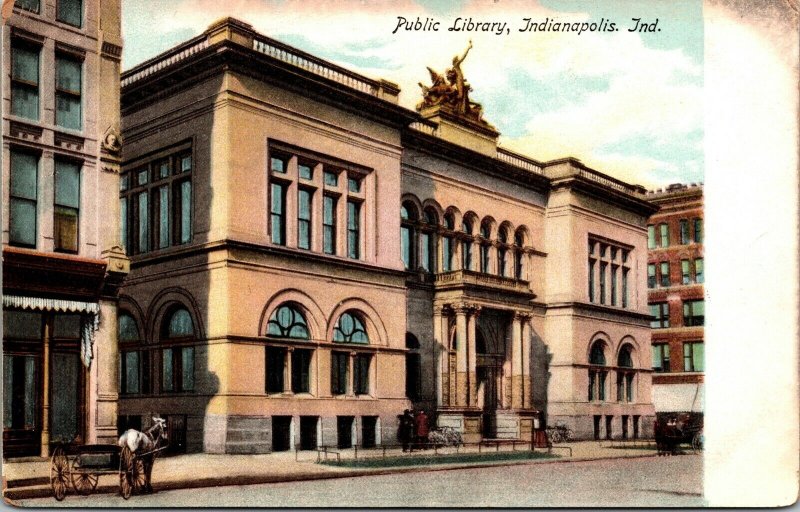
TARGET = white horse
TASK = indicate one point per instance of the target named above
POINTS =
(145, 442)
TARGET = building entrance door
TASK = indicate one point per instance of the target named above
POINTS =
(308, 432)
(281, 433)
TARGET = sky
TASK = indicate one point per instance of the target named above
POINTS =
(628, 104)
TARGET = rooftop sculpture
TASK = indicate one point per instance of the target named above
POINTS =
(451, 92)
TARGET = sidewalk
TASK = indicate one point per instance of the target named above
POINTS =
(31, 479)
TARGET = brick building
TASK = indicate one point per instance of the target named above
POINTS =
(675, 274)
(62, 263)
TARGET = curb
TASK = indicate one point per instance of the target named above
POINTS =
(44, 491)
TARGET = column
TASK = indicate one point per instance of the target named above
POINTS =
(527, 384)
(287, 370)
(437, 352)
(516, 361)
(45, 439)
(351, 375)
(461, 355)
(472, 376)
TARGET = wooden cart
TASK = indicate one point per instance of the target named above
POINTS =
(80, 466)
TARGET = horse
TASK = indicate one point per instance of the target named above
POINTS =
(145, 442)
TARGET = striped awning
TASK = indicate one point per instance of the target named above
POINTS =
(43, 304)
(90, 317)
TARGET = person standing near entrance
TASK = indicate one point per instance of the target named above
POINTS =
(421, 422)
(406, 429)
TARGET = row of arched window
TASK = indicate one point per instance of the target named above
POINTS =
(435, 245)
(174, 355)
(598, 373)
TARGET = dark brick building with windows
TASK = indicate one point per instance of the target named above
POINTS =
(675, 276)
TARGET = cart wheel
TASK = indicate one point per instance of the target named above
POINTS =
(125, 473)
(139, 478)
(84, 483)
(697, 442)
(59, 473)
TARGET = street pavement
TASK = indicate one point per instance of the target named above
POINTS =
(624, 482)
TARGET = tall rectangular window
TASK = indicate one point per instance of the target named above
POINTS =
(651, 237)
(276, 357)
(651, 275)
(361, 374)
(699, 276)
(183, 211)
(28, 5)
(694, 313)
(685, 276)
(660, 314)
(278, 214)
(329, 224)
(447, 254)
(425, 252)
(23, 199)
(684, 231)
(661, 357)
(143, 232)
(353, 229)
(339, 373)
(603, 267)
(405, 246)
(485, 258)
(70, 12)
(624, 287)
(301, 370)
(665, 273)
(664, 234)
(591, 280)
(466, 255)
(698, 231)
(614, 270)
(693, 356)
(161, 198)
(24, 81)
(304, 219)
(68, 92)
(66, 206)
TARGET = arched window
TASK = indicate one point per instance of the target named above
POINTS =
(486, 247)
(286, 366)
(597, 375)
(408, 216)
(413, 367)
(177, 358)
(350, 329)
(466, 245)
(427, 241)
(288, 322)
(134, 375)
(447, 243)
(625, 374)
(518, 255)
(502, 251)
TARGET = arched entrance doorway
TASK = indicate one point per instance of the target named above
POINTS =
(490, 355)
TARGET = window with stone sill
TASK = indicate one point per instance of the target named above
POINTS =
(68, 92)
(23, 198)
(134, 358)
(177, 354)
(25, 80)
(156, 203)
(607, 276)
(288, 322)
(660, 357)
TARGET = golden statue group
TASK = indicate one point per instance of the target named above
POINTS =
(451, 93)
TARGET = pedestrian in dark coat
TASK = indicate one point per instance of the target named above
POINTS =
(406, 430)
(421, 422)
